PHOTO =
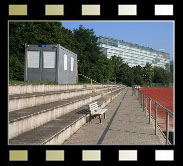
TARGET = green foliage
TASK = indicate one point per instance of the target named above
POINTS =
(83, 42)
(163, 76)
(16, 71)
(92, 62)
(140, 75)
(117, 62)
(31, 33)
(126, 74)
(148, 74)
(122, 72)
(33, 82)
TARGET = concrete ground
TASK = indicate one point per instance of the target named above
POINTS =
(125, 124)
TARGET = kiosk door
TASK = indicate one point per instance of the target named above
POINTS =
(41, 63)
(49, 65)
(33, 63)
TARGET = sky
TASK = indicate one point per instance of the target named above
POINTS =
(158, 35)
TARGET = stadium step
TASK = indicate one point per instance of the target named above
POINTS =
(29, 118)
(58, 130)
(31, 88)
(21, 101)
(26, 119)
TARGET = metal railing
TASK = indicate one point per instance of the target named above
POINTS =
(143, 97)
(109, 88)
(91, 80)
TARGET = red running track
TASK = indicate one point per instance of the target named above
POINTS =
(163, 96)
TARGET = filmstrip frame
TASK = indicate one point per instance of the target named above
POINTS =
(91, 155)
(90, 10)
(26, 155)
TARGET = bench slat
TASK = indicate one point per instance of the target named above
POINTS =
(94, 107)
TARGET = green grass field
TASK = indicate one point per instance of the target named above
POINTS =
(32, 82)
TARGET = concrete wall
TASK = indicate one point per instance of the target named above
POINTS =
(67, 76)
(31, 101)
(31, 88)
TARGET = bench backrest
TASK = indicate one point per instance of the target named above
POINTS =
(93, 106)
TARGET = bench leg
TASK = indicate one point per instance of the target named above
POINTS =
(104, 116)
(90, 118)
(100, 119)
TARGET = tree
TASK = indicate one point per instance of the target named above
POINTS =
(93, 63)
(35, 33)
(125, 74)
(147, 74)
(138, 75)
(158, 75)
(106, 67)
(163, 76)
(122, 72)
(117, 62)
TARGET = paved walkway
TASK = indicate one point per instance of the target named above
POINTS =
(126, 124)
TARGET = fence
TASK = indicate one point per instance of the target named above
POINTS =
(91, 81)
(158, 85)
(146, 102)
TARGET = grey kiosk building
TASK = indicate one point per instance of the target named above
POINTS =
(50, 63)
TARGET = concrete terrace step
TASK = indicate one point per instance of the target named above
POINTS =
(60, 129)
(21, 101)
(23, 120)
(22, 113)
(27, 119)
(31, 88)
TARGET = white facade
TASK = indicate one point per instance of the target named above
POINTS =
(133, 54)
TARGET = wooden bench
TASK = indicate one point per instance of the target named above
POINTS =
(96, 111)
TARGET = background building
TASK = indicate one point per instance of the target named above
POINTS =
(133, 54)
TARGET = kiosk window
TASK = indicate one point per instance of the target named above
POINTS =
(72, 63)
(49, 59)
(33, 59)
(65, 62)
